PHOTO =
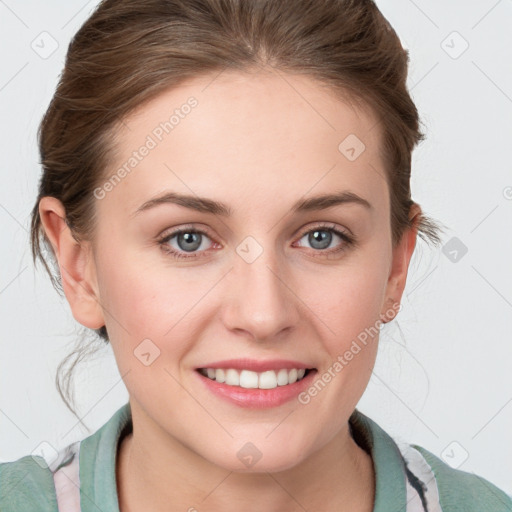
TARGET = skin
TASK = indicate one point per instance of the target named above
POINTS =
(257, 141)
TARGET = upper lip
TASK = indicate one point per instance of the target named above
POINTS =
(257, 365)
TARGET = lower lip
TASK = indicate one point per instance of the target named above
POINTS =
(257, 398)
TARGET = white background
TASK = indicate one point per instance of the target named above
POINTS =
(443, 375)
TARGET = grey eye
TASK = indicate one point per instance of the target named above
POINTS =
(320, 239)
(189, 241)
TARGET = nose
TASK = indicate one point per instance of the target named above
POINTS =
(260, 302)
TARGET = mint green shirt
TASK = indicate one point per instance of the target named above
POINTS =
(82, 478)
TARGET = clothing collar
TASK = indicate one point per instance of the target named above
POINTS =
(98, 454)
(388, 463)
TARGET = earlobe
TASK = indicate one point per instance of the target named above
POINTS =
(76, 265)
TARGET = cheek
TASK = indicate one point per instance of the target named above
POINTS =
(140, 301)
(348, 302)
(131, 297)
(152, 301)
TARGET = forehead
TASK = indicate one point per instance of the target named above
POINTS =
(243, 136)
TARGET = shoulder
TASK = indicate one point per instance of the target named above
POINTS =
(410, 478)
(59, 478)
(27, 485)
(457, 489)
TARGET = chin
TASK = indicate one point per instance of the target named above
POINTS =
(275, 465)
(259, 456)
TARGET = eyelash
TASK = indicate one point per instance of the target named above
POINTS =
(349, 241)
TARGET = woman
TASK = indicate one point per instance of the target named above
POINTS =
(275, 138)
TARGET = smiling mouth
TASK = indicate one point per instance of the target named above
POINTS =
(248, 379)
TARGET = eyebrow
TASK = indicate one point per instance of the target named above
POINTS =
(204, 205)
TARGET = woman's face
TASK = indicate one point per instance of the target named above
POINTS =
(267, 285)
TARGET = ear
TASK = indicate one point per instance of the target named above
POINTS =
(402, 254)
(76, 264)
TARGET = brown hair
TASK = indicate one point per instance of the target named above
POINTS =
(129, 51)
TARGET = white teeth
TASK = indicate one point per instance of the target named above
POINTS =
(248, 379)
(232, 378)
(252, 380)
(268, 380)
(282, 377)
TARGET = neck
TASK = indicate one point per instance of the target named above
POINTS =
(339, 476)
